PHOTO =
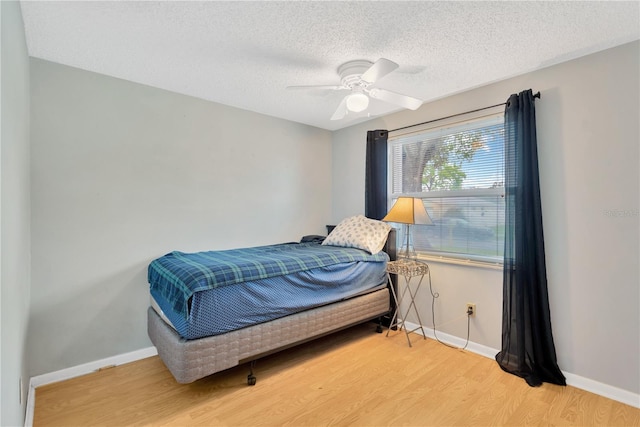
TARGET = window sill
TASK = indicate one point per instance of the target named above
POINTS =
(461, 261)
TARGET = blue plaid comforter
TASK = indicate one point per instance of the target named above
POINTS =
(178, 275)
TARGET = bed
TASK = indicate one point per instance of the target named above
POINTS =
(241, 307)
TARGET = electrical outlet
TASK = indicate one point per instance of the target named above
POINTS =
(471, 309)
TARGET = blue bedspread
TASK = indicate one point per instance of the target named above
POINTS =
(178, 275)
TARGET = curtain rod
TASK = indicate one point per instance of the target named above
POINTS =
(535, 95)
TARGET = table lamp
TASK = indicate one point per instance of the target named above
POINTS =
(408, 211)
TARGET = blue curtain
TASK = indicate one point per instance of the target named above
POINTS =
(375, 192)
(527, 349)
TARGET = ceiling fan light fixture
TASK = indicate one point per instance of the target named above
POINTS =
(357, 102)
(358, 77)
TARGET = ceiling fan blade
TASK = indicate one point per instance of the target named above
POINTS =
(395, 98)
(341, 111)
(379, 69)
(326, 87)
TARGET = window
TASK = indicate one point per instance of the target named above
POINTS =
(458, 172)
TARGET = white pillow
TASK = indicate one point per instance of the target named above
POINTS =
(359, 232)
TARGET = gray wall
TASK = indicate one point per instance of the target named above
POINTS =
(588, 141)
(14, 213)
(123, 173)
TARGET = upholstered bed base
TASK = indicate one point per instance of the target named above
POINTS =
(189, 360)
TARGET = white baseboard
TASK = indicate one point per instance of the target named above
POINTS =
(473, 347)
(76, 371)
(605, 390)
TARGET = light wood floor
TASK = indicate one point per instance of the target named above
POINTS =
(355, 377)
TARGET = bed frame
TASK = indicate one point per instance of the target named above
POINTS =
(190, 360)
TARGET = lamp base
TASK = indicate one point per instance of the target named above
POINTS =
(407, 251)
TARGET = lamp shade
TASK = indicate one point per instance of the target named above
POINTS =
(357, 102)
(408, 210)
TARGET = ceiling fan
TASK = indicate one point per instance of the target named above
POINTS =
(359, 77)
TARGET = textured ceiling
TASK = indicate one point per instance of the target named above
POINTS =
(244, 54)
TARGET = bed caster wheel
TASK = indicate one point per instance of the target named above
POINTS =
(251, 380)
(379, 329)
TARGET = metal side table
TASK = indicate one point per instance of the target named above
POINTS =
(409, 269)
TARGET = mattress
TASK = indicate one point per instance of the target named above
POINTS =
(220, 310)
(178, 275)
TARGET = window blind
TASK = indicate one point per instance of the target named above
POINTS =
(458, 172)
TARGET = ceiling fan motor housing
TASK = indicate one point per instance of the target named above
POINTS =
(350, 73)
